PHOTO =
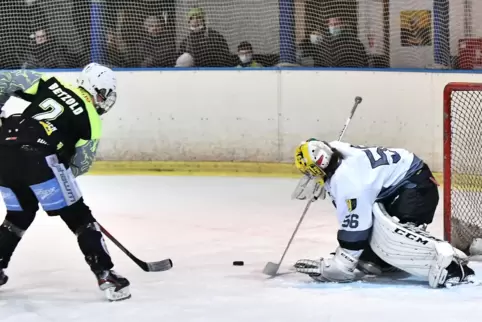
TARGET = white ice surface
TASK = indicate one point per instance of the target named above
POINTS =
(204, 224)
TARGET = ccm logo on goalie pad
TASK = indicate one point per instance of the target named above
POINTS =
(416, 236)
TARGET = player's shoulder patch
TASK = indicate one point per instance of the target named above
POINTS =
(351, 204)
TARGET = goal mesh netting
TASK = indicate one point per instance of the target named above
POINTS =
(153, 33)
(463, 163)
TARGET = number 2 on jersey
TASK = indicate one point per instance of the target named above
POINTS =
(53, 110)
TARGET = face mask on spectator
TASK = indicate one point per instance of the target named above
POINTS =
(315, 39)
(246, 58)
(196, 24)
(334, 30)
(197, 28)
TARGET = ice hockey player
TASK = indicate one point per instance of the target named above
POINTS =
(384, 200)
(43, 149)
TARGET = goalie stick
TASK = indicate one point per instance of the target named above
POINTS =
(159, 266)
(271, 268)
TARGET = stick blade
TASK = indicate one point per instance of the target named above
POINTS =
(160, 266)
(271, 269)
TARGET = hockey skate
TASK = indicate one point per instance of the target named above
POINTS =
(370, 264)
(115, 286)
(458, 273)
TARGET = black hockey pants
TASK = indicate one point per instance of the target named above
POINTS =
(30, 175)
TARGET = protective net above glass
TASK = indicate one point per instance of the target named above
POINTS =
(120, 33)
(463, 163)
(155, 33)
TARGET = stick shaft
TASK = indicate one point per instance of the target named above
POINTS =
(353, 109)
(296, 230)
(146, 266)
(347, 122)
(121, 247)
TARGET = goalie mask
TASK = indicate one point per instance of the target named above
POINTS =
(313, 157)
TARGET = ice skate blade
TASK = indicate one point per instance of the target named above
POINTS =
(369, 268)
(120, 295)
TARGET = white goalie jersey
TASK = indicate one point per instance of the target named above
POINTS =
(366, 175)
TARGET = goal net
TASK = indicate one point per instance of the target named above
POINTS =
(149, 33)
(462, 163)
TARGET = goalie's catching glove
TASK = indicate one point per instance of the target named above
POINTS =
(309, 188)
(340, 268)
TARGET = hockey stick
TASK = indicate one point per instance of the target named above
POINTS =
(159, 266)
(358, 100)
(271, 268)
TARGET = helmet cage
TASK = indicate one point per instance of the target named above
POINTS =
(106, 101)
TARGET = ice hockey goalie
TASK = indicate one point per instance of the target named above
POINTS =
(384, 200)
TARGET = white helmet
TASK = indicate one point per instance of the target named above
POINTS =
(101, 83)
(312, 157)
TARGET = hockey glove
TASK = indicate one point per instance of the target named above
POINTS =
(340, 268)
(308, 188)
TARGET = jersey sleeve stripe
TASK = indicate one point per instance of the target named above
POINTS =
(354, 240)
(351, 236)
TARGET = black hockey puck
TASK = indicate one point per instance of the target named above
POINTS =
(238, 263)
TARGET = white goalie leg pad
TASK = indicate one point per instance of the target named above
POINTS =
(438, 273)
(411, 249)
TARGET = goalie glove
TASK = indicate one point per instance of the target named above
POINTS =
(340, 268)
(309, 188)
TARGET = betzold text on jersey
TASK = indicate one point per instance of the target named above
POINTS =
(67, 98)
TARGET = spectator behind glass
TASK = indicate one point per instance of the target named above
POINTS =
(346, 49)
(158, 48)
(245, 54)
(318, 47)
(45, 52)
(208, 47)
(115, 57)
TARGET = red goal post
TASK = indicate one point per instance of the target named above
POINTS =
(462, 165)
